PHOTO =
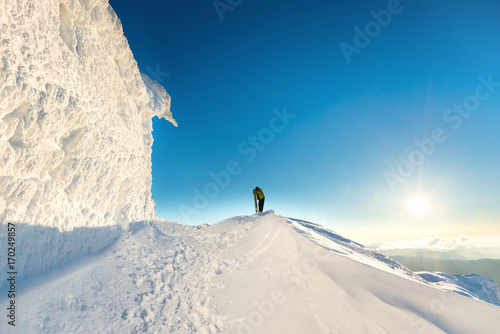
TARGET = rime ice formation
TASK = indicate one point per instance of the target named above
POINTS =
(75, 126)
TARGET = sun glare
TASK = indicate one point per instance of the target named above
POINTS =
(418, 206)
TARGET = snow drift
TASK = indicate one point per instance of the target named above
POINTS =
(249, 274)
(75, 129)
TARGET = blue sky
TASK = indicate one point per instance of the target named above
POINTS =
(353, 117)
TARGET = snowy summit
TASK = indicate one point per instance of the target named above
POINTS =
(75, 181)
(248, 274)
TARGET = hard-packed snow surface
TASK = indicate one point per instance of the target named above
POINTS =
(249, 274)
(75, 129)
(471, 285)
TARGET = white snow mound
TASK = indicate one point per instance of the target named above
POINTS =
(249, 274)
(75, 129)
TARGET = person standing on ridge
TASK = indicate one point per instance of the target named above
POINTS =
(259, 194)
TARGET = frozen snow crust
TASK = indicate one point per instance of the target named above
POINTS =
(249, 274)
(75, 128)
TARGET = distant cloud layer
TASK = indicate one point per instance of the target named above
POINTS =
(440, 243)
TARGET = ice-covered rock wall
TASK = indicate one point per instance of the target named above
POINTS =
(75, 122)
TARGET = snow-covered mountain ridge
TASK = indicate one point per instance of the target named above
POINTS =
(75, 153)
(472, 285)
(75, 129)
(248, 274)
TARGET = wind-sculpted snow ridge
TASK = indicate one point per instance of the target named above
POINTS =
(336, 243)
(75, 127)
(471, 285)
(248, 274)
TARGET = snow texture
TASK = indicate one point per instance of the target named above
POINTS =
(471, 285)
(248, 274)
(75, 129)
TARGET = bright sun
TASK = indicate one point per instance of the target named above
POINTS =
(418, 206)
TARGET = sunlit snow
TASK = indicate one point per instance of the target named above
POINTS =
(75, 179)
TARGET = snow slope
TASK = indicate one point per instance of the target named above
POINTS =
(249, 274)
(75, 130)
(471, 285)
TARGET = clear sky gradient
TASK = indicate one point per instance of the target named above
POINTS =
(342, 111)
